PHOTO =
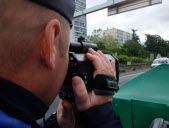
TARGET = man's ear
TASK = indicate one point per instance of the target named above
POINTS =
(48, 43)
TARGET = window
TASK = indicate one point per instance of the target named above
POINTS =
(76, 28)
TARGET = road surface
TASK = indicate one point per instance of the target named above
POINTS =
(124, 77)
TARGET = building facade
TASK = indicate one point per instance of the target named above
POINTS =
(79, 24)
(118, 34)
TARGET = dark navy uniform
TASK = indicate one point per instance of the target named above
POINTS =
(19, 108)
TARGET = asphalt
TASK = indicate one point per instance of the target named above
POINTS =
(125, 77)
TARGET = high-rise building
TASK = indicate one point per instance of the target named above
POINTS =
(118, 34)
(79, 24)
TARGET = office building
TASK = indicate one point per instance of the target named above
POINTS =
(118, 34)
(79, 24)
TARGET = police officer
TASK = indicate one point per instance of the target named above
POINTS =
(34, 43)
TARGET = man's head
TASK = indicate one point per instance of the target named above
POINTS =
(34, 42)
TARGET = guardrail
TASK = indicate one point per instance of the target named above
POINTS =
(134, 67)
(134, 64)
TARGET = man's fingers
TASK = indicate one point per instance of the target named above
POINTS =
(90, 50)
(105, 58)
(81, 95)
(93, 52)
(65, 108)
(67, 105)
(65, 116)
(95, 60)
(60, 108)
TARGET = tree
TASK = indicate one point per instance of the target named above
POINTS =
(132, 48)
(101, 45)
(143, 53)
(155, 44)
(135, 37)
(110, 42)
(95, 37)
(104, 42)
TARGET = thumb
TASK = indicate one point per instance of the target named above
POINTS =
(65, 116)
(67, 107)
(64, 108)
(82, 100)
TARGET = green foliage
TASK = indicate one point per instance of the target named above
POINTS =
(101, 45)
(110, 42)
(96, 38)
(112, 50)
(135, 37)
(123, 59)
(155, 44)
(143, 53)
(137, 60)
(123, 51)
(106, 43)
(132, 48)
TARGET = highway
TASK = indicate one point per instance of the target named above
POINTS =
(124, 77)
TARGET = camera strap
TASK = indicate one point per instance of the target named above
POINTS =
(105, 85)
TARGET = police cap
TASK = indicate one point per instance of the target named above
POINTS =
(65, 7)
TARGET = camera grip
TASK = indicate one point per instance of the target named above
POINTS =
(105, 85)
(117, 67)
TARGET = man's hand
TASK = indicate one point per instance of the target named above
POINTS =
(83, 99)
(65, 115)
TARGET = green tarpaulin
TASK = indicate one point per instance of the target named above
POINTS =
(144, 98)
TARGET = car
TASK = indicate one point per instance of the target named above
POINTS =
(160, 61)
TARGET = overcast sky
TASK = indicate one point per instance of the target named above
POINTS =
(151, 20)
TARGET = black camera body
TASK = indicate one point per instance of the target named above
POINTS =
(80, 66)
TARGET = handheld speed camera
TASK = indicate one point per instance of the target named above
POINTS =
(80, 66)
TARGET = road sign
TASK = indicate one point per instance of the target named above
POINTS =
(129, 5)
(108, 4)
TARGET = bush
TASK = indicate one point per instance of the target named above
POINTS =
(123, 59)
(147, 60)
(105, 52)
(111, 50)
(137, 60)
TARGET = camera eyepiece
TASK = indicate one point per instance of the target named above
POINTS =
(81, 47)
